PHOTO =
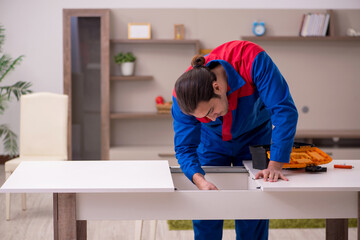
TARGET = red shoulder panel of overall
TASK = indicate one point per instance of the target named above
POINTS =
(240, 54)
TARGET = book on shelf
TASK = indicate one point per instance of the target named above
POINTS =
(326, 24)
(314, 24)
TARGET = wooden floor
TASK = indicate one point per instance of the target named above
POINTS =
(36, 224)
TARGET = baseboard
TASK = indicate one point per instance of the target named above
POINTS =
(4, 158)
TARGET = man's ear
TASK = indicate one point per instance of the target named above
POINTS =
(216, 87)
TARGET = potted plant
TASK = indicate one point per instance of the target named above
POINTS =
(127, 63)
(7, 64)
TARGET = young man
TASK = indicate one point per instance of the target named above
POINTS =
(226, 101)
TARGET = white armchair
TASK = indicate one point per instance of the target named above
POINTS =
(43, 133)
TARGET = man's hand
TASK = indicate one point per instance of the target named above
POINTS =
(272, 173)
(202, 184)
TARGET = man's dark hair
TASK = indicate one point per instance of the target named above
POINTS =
(195, 86)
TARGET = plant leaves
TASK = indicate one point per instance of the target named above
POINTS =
(7, 64)
(4, 63)
(17, 89)
(124, 57)
(9, 140)
(2, 36)
(4, 70)
(3, 103)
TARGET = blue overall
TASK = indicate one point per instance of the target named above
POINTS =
(245, 229)
(261, 111)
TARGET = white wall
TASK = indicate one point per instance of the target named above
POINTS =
(34, 29)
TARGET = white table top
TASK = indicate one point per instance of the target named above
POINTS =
(155, 176)
(335, 179)
(90, 176)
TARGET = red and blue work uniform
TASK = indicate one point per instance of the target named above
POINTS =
(261, 111)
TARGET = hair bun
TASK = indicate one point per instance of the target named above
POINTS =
(197, 61)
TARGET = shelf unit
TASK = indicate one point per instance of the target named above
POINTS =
(130, 84)
(329, 37)
(141, 151)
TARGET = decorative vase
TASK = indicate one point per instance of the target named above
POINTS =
(128, 68)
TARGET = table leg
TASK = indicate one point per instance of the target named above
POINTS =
(65, 216)
(81, 229)
(55, 215)
(336, 229)
(358, 215)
